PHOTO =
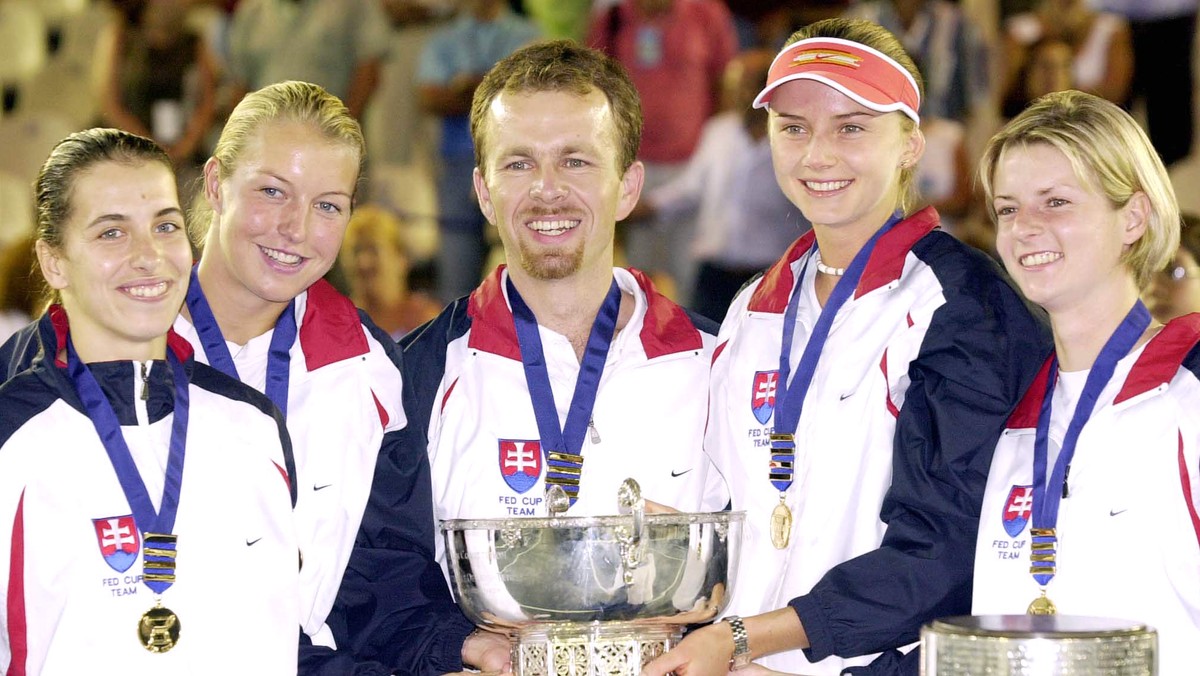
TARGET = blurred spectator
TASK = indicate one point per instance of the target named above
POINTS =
(675, 52)
(160, 82)
(1101, 45)
(402, 140)
(565, 19)
(1164, 32)
(451, 66)
(952, 56)
(21, 287)
(776, 21)
(742, 217)
(947, 48)
(375, 262)
(1175, 290)
(338, 45)
(944, 174)
(1047, 68)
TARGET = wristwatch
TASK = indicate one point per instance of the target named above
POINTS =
(741, 644)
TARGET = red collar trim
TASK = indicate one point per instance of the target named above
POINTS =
(666, 328)
(1162, 357)
(58, 320)
(1025, 415)
(1157, 365)
(331, 330)
(885, 265)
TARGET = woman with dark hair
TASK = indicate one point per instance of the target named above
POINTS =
(137, 529)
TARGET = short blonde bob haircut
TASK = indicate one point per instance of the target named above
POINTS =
(1108, 150)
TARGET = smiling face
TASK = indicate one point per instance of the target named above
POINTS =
(550, 182)
(123, 266)
(837, 160)
(279, 216)
(1060, 238)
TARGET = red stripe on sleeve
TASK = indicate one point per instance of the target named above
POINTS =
(1185, 481)
(383, 416)
(891, 406)
(287, 481)
(446, 396)
(17, 640)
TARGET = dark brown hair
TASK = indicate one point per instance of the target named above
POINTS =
(74, 155)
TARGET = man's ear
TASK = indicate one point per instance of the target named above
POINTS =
(484, 195)
(631, 189)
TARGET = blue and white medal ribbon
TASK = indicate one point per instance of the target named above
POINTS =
(790, 395)
(563, 446)
(279, 356)
(1048, 492)
(158, 627)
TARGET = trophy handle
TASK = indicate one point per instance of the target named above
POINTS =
(630, 501)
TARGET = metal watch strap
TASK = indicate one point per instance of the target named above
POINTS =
(741, 643)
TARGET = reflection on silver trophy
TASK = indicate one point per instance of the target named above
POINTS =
(585, 596)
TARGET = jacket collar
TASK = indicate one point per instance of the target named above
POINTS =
(1156, 366)
(330, 330)
(666, 328)
(884, 266)
(54, 327)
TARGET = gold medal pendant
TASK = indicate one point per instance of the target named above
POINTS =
(158, 630)
(1042, 606)
(781, 525)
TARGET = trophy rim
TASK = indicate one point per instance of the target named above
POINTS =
(1038, 626)
(518, 522)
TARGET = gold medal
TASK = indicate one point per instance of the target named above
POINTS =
(781, 525)
(158, 630)
(1042, 606)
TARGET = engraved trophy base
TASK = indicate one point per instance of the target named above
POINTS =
(1037, 645)
(592, 649)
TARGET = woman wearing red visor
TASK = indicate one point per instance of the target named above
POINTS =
(859, 384)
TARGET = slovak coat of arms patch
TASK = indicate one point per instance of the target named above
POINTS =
(520, 463)
(762, 395)
(119, 541)
(1017, 509)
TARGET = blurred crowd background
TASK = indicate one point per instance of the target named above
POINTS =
(711, 214)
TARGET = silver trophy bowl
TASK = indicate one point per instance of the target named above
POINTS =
(1037, 645)
(593, 595)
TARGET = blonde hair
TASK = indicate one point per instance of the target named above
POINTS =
(881, 40)
(1107, 149)
(290, 101)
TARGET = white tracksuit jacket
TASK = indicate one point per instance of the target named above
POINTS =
(466, 372)
(1129, 533)
(922, 366)
(71, 594)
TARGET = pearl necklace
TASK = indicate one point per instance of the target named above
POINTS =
(825, 269)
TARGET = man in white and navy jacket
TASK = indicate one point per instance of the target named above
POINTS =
(622, 376)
